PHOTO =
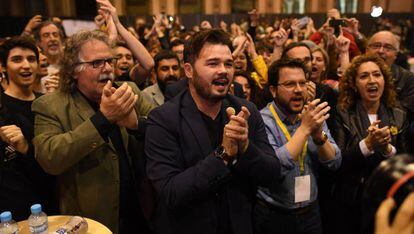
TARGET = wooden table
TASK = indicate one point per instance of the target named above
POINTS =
(59, 220)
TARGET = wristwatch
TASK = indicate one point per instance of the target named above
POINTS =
(220, 152)
(321, 141)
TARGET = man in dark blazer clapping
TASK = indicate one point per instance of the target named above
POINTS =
(203, 159)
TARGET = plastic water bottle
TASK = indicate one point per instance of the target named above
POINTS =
(8, 225)
(37, 220)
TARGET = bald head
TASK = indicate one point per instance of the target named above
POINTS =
(386, 36)
(333, 13)
(384, 44)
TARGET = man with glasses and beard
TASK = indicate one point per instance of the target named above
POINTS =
(301, 140)
(203, 157)
(167, 70)
(81, 135)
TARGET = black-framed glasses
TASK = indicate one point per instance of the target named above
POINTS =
(100, 63)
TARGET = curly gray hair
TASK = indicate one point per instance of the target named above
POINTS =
(72, 56)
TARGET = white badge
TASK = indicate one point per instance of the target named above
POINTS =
(302, 188)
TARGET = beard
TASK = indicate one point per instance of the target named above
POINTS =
(287, 106)
(205, 92)
(167, 81)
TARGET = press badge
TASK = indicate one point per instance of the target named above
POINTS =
(302, 188)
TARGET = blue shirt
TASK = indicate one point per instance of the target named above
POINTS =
(282, 193)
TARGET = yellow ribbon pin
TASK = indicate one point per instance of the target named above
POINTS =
(393, 130)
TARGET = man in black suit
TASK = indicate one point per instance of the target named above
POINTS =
(204, 167)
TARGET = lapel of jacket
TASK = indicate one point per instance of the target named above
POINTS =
(192, 116)
(157, 95)
(85, 111)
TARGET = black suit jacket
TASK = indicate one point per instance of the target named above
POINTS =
(186, 175)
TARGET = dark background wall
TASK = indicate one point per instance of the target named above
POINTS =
(14, 25)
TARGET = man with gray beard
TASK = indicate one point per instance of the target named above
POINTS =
(81, 135)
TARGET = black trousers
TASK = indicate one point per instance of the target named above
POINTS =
(269, 220)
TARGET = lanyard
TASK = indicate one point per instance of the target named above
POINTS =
(288, 137)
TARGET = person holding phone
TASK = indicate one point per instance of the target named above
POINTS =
(327, 32)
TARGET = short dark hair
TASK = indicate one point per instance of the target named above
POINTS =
(176, 42)
(36, 31)
(164, 54)
(119, 43)
(294, 45)
(274, 69)
(196, 43)
(242, 73)
(17, 41)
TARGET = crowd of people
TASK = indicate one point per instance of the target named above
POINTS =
(252, 128)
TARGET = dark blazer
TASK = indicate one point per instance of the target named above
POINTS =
(355, 169)
(186, 175)
(404, 85)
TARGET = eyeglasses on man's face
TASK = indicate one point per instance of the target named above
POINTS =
(387, 47)
(100, 63)
(290, 85)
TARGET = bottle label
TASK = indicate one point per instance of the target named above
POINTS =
(41, 229)
(61, 231)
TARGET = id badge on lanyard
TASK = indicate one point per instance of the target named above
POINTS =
(302, 182)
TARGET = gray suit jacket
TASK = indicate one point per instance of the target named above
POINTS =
(154, 95)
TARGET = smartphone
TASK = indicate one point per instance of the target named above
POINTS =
(303, 22)
(335, 23)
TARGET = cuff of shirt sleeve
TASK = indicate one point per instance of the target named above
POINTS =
(101, 124)
(364, 149)
(392, 152)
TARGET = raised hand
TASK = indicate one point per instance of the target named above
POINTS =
(13, 136)
(250, 47)
(353, 25)
(342, 43)
(241, 43)
(378, 138)
(99, 20)
(280, 37)
(230, 145)
(106, 8)
(33, 23)
(52, 83)
(238, 129)
(205, 25)
(116, 104)
(295, 26)
(313, 116)
(223, 26)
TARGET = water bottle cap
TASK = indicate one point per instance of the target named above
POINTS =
(36, 209)
(5, 216)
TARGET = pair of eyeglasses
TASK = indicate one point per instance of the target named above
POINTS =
(100, 63)
(387, 47)
(292, 85)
